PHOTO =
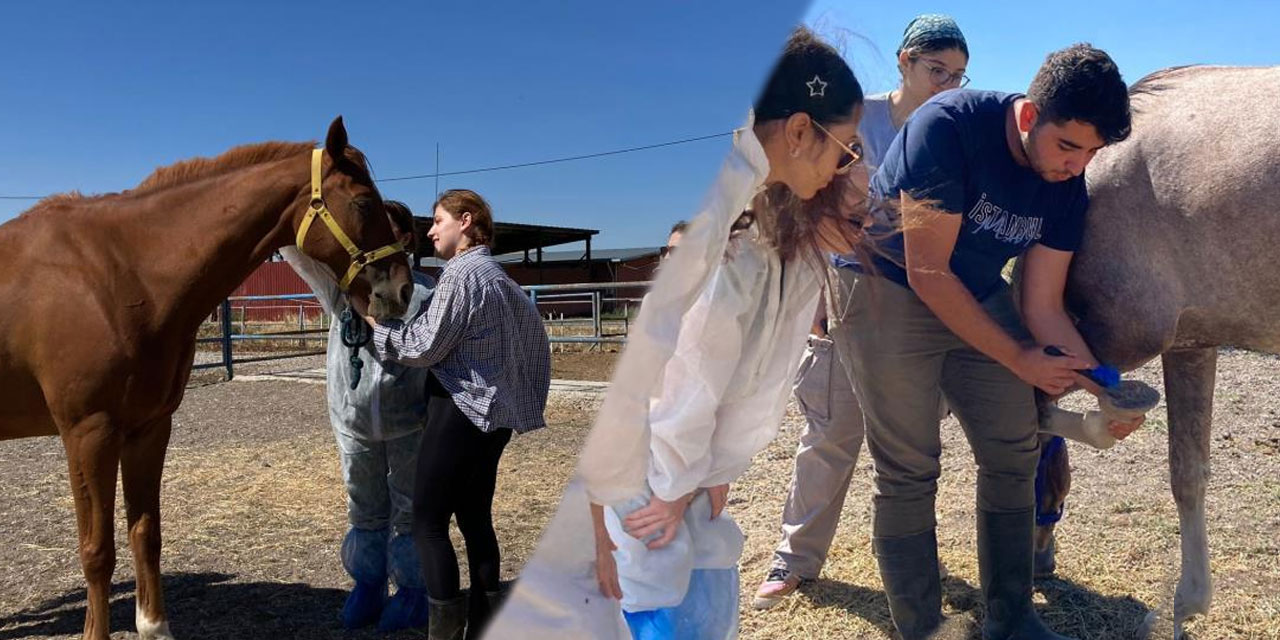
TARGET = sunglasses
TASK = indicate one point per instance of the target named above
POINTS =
(852, 151)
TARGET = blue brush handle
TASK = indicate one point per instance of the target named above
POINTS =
(1105, 375)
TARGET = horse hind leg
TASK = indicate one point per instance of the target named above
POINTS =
(141, 466)
(1053, 482)
(1188, 381)
(93, 454)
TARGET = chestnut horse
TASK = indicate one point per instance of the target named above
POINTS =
(105, 295)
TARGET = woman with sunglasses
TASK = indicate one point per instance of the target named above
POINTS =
(932, 58)
(704, 381)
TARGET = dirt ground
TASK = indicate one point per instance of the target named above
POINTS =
(1118, 550)
(254, 513)
(595, 365)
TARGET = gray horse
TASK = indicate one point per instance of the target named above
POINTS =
(1179, 259)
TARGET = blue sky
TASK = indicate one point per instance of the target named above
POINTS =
(95, 97)
(1008, 41)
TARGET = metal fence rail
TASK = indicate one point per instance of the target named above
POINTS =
(542, 295)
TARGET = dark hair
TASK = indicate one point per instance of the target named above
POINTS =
(1083, 83)
(934, 46)
(460, 201)
(678, 227)
(811, 77)
(402, 218)
(794, 227)
(930, 33)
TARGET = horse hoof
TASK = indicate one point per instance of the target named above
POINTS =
(151, 629)
(1045, 561)
(1157, 625)
(155, 632)
(1130, 399)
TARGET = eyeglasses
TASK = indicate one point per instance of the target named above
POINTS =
(940, 77)
(665, 252)
(852, 151)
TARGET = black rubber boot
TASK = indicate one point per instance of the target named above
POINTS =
(483, 607)
(1005, 566)
(446, 619)
(909, 571)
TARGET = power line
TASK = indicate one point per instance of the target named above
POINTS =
(505, 167)
(556, 160)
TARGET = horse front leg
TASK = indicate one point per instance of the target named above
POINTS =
(93, 456)
(1188, 382)
(141, 467)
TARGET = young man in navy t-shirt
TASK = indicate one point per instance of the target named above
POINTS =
(974, 178)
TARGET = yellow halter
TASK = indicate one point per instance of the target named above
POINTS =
(359, 259)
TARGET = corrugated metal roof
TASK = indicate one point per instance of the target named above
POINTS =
(573, 256)
(515, 236)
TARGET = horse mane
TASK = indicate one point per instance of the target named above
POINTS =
(237, 158)
(1158, 80)
(187, 171)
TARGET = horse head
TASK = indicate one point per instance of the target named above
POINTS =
(354, 238)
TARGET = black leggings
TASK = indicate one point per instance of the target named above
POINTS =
(457, 470)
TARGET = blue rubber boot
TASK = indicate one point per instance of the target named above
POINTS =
(407, 609)
(709, 611)
(652, 624)
(364, 556)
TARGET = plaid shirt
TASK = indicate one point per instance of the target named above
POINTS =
(483, 339)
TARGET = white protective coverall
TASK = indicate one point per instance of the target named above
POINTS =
(700, 389)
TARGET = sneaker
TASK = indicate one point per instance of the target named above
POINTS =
(779, 584)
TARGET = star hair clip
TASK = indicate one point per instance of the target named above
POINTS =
(817, 88)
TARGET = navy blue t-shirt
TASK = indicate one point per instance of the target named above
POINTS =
(953, 151)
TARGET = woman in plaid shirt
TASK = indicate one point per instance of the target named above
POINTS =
(490, 363)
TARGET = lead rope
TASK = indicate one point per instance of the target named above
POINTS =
(355, 334)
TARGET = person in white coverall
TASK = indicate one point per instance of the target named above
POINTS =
(704, 381)
(377, 424)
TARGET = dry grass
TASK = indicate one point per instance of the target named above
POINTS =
(254, 514)
(1118, 545)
